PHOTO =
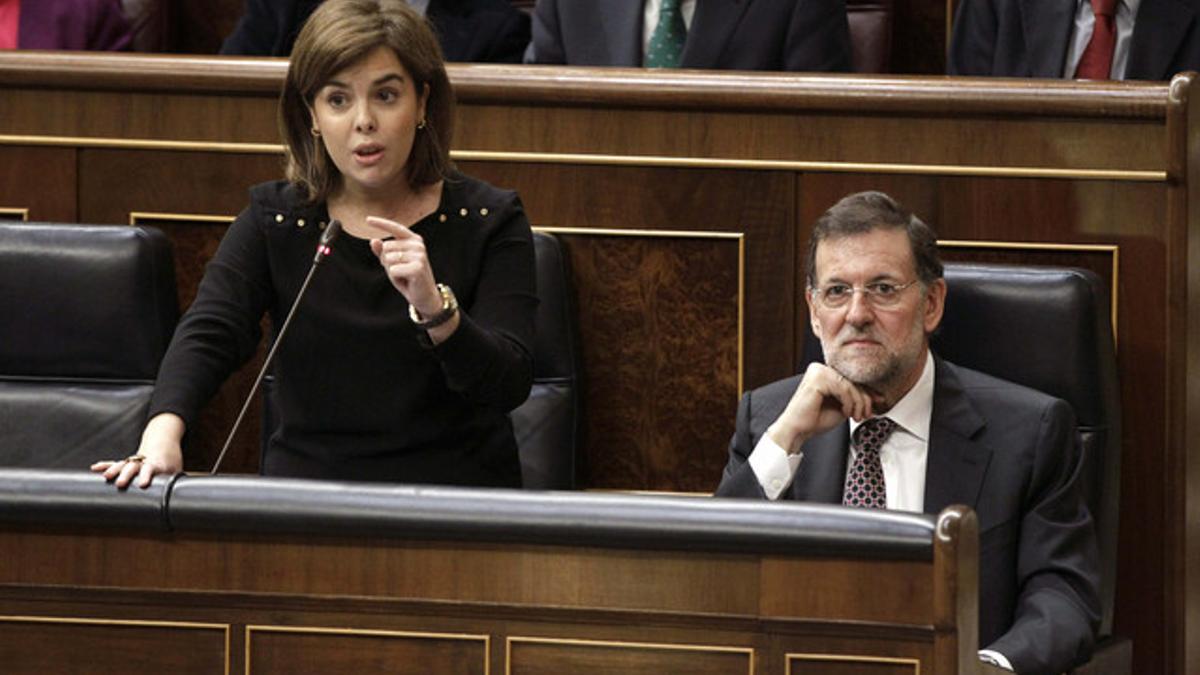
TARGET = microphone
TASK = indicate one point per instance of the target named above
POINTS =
(324, 248)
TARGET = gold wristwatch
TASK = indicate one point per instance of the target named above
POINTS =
(449, 308)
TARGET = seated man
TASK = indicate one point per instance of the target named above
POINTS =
(795, 35)
(1086, 39)
(884, 423)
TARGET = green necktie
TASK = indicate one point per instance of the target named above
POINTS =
(666, 42)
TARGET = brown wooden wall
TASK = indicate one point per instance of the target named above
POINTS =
(684, 200)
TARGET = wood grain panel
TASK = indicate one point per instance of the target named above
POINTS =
(297, 651)
(36, 647)
(658, 320)
(612, 579)
(829, 588)
(139, 115)
(682, 289)
(887, 139)
(532, 656)
(48, 194)
(758, 204)
(115, 183)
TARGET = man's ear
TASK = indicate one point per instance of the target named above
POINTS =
(935, 305)
(812, 314)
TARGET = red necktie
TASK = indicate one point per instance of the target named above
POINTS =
(1096, 62)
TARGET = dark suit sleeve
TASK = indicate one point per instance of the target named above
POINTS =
(1058, 606)
(268, 28)
(738, 479)
(476, 31)
(973, 43)
(509, 40)
(818, 38)
(546, 45)
(110, 31)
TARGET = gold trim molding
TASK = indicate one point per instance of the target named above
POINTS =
(22, 214)
(486, 640)
(852, 658)
(740, 237)
(148, 217)
(141, 144)
(598, 159)
(811, 166)
(617, 644)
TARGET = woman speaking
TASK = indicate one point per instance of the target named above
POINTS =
(413, 340)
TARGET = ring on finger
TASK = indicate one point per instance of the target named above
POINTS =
(135, 458)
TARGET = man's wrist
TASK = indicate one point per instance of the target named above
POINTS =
(786, 436)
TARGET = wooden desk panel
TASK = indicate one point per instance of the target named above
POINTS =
(1046, 162)
(38, 644)
(265, 603)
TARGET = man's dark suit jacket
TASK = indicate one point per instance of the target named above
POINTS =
(1010, 453)
(1030, 38)
(488, 31)
(793, 35)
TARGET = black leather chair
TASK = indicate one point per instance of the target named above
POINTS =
(1050, 328)
(87, 312)
(870, 34)
(547, 424)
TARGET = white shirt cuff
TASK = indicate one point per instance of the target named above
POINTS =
(995, 658)
(773, 466)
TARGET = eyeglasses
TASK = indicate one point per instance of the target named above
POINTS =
(880, 294)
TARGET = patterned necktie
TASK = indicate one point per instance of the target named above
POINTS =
(1096, 62)
(865, 487)
(666, 42)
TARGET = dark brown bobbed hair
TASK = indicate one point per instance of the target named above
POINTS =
(337, 35)
(863, 212)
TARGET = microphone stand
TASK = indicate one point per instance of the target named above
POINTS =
(323, 249)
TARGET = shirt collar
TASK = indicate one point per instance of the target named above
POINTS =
(914, 410)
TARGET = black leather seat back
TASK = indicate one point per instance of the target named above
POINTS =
(547, 423)
(870, 34)
(87, 314)
(1048, 328)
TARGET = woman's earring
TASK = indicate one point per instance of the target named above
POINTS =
(421, 125)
